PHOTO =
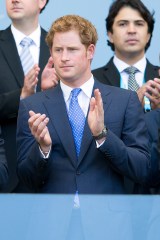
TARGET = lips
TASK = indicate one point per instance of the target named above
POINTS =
(16, 8)
(66, 66)
(132, 40)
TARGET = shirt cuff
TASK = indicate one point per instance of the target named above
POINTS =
(98, 145)
(45, 155)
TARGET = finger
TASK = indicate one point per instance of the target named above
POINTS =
(42, 125)
(33, 69)
(31, 75)
(39, 119)
(154, 91)
(155, 102)
(36, 66)
(55, 82)
(153, 99)
(35, 121)
(32, 81)
(33, 117)
(31, 113)
(157, 83)
(50, 63)
(92, 104)
(142, 89)
(43, 133)
(98, 99)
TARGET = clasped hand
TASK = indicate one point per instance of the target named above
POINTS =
(151, 89)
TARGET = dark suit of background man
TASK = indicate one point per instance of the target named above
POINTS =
(47, 159)
(24, 16)
(153, 122)
(129, 25)
(3, 166)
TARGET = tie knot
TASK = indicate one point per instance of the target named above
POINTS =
(75, 92)
(26, 42)
(131, 70)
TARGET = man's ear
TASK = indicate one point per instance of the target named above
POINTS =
(110, 36)
(90, 51)
(42, 3)
(149, 36)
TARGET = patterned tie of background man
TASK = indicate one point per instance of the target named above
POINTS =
(25, 56)
(132, 83)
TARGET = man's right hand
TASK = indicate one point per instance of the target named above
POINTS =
(38, 126)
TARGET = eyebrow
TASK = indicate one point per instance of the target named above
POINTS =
(128, 20)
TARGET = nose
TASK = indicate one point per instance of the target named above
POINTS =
(131, 28)
(65, 55)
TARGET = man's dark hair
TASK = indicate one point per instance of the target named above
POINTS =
(44, 6)
(117, 5)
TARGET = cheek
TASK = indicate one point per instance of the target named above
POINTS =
(117, 40)
(55, 58)
(117, 37)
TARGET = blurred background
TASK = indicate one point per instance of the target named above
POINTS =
(95, 11)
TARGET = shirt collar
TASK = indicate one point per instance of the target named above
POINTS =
(87, 88)
(18, 36)
(140, 65)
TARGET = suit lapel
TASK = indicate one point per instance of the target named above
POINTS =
(111, 74)
(151, 71)
(56, 108)
(9, 50)
(87, 136)
(43, 56)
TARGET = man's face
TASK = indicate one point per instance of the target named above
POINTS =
(24, 9)
(130, 33)
(71, 58)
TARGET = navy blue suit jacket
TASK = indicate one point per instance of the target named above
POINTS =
(125, 151)
(153, 124)
(3, 165)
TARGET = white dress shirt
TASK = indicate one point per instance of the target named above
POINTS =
(139, 76)
(35, 36)
(83, 97)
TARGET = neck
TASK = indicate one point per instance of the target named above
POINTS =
(25, 26)
(76, 83)
(78, 80)
(130, 59)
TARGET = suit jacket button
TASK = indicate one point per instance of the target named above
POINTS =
(78, 173)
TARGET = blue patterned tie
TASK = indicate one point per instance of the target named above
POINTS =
(25, 56)
(76, 118)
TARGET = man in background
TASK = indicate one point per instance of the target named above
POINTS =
(17, 83)
(129, 26)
